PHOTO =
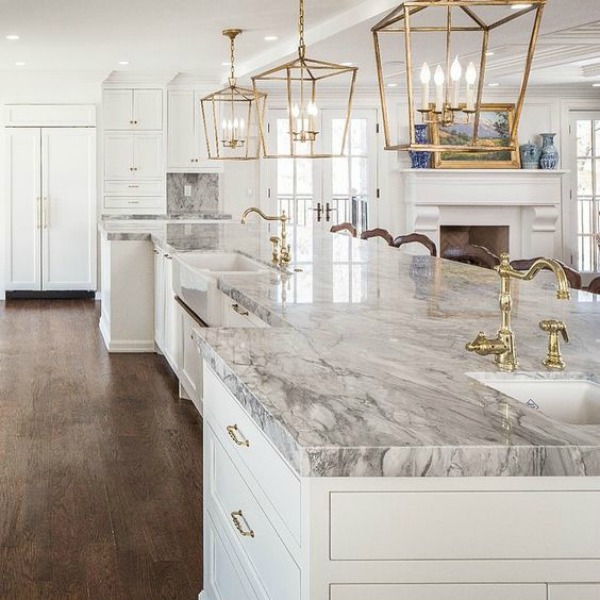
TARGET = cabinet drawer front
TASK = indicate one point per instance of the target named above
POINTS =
(136, 202)
(250, 530)
(223, 577)
(231, 422)
(440, 592)
(130, 188)
(590, 591)
(494, 525)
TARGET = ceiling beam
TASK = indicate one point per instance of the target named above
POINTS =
(365, 11)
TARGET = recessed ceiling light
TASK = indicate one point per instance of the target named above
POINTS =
(493, 85)
(392, 85)
(520, 6)
(596, 85)
(271, 38)
(348, 64)
(226, 64)
(123, 63)
(20, 64)
(13, 37)
(490, 53)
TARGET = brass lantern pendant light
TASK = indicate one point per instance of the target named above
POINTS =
(298, 83)
(436, 35)
(231, 117)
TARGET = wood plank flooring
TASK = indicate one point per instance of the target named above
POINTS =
(100, 464)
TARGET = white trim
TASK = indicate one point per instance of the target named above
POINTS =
(124, 346)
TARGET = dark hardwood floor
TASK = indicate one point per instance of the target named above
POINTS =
(100, 464)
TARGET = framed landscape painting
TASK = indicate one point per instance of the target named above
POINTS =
(494, 130)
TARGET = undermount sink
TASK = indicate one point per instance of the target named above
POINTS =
(221, 262)
(575, 401)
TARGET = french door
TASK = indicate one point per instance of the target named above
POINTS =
(585, 130)
(323, 192)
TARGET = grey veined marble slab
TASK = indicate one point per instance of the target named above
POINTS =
(370, 375)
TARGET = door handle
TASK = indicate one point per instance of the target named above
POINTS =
(319, 211)
(38, 213)
(46, 209)
(328, 211)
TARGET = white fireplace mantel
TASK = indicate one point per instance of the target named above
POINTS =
(527, 201)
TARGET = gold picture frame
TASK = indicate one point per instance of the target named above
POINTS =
(495, 123)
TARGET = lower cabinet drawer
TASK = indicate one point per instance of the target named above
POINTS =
(247, 443)
(582, 591)
(141, 188)
(441, 592)
(235, 315)
(223, 576)
(133, 202)
(465, 525)
(265, 557)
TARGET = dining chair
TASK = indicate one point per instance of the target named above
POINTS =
(470, 254)
(416, 238)
(378, 233)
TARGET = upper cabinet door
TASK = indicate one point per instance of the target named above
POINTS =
(147, 110)
(148, 156)
(181, 147)
(23, 206)
(118, 157)
(118, 110)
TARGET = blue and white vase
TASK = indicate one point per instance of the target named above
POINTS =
(530, 156)
(421, 160)
(549, 156)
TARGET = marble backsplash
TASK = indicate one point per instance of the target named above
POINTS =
(203, 193)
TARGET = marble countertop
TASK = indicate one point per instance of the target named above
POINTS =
(364, 371)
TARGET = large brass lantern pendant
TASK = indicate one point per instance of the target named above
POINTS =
(231, 117)
(446, 50)
(299, 85)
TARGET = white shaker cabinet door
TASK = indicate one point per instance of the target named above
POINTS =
(118, 157)
(159, 299)
(147, 110)
(148, 156)
(583, 591)
(69, 209)
(23, 196)
(181, 147)
(118, 110)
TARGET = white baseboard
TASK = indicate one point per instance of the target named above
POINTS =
(124, 346)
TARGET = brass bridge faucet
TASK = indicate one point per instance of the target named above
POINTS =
(281, 249)
(503, 346)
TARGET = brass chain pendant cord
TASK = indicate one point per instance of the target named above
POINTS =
(302, 45)
(233, 59)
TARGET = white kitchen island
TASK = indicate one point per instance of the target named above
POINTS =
(349, 455)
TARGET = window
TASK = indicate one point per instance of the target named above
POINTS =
(588, 192)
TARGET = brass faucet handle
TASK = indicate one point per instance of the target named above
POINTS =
(483, 346)
(553, 327)
(276, 245)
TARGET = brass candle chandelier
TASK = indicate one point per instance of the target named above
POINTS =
(458, 94)
(299, 83)
(231, 117)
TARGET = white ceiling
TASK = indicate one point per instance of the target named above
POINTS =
(181, 36)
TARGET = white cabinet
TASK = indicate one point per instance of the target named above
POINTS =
(173, 321)
(159, 299)
(133, 110)
(133, 157)
(234, 314)
(51, 191)
(584, 591)
(456, 591)
(190, 372)
(186, 140)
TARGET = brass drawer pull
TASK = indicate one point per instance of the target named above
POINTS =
(233, 430)
(237, 517)
(240, 311)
